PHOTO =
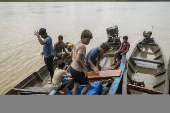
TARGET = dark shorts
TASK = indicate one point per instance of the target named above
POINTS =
(119, 53)
(78, 77)
(88, 65)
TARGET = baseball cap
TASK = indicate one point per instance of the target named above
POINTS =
(60, 37)
(42, 31)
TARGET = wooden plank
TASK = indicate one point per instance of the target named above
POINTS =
(31, 91)
(112, 43)
(160, 73)
(117, 80)
(157, 50)
(124, 87)
(147, 60)
(44, 89)
(142, 89)
(157, 85)
(153, 44)
(103, 74)
(38, 75)
(158, 57)
(108, 55)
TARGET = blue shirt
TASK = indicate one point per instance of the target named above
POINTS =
(93, 54)
(48, 47)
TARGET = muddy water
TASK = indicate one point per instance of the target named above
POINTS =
(149, 80)
(20, 49)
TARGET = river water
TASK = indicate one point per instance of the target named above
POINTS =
(20, 49)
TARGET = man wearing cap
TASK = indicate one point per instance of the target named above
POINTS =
(47, 50)
(58, 47)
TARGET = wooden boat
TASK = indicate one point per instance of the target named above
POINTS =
(36, 83)
(146, 70)
(169, 73)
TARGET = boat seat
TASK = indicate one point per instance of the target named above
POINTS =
(148, 60)
(108, 55)
(142, 89)
(153, 44)
(138, 82)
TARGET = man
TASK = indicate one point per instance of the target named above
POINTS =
(47, 50)
(94, 55)
(58, 47)
(77, 69)
(124, 48)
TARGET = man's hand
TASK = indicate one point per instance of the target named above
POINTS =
(85, 72)
(96, 71)
(56, 58)
(121, 54)
(36, 33)
(42, 53)
(111, 48)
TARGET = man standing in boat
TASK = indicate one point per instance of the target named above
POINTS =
(47, 50)
(94, 55)
(124, 48)
(77, 69)
(58, 47)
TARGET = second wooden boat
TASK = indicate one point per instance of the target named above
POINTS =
(146, 71)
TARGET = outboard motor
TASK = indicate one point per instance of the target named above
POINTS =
(147, 36)
(112, 33)
(69, 46)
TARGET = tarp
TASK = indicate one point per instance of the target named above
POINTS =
(96, 89)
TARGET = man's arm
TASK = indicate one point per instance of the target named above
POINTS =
(98, 60)
(120, 47)
(91, 63)
(42, 53)
(64, 49)
(125, 51)
(65, 74)
(79, 56)
(42, 42)
(93, 66)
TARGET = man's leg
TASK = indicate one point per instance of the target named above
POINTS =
(115, 55)
(75, 89)
(63, 56)
(86, 88)
(100, 67)
(49, 64)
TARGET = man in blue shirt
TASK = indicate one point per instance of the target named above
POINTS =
(93, 54)
(47, 50)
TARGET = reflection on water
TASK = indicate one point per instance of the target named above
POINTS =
(20, 49)
(147, 53)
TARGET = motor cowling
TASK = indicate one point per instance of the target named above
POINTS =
(69, 46)
(147, 36)
(112, 31)
(112, 34)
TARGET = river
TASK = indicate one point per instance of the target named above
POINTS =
(20, 50)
